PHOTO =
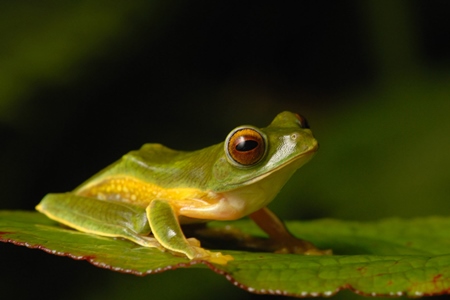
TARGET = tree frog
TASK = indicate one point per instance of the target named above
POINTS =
(146, 195)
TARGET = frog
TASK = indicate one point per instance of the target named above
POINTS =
(148, 195)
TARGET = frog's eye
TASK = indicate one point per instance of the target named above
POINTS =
(302, 122)
(245, 146)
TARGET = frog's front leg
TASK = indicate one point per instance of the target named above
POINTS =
(280, 239)
(165, 227)
(105, 218)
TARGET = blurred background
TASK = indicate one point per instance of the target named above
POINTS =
(83, 82)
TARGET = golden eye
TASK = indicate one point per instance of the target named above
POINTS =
(245, 146)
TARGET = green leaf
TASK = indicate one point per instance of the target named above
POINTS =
(391, 257)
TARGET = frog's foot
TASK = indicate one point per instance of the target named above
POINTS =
(213, 257)
(194, 251)
(198, 253)
(203, 254)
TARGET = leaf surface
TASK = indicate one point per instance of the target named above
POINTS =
(390, 257)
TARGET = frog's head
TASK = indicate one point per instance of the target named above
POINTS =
(251, 154)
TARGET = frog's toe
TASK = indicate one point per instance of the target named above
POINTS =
(219, 258)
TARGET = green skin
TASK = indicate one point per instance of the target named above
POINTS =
(219, 188)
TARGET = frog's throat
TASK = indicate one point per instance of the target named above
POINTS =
(259, 192)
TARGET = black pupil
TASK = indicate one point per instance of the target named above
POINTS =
(246, 145)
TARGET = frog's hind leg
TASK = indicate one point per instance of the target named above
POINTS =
(105, 218)
(166, 229)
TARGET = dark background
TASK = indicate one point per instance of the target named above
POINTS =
(82, 83)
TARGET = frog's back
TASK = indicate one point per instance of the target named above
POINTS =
(159, 165)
